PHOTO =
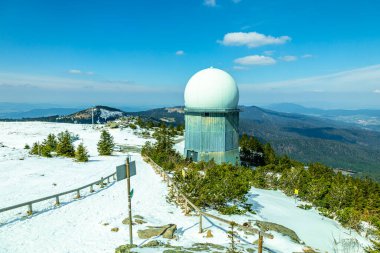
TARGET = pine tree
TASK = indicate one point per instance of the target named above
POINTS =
(231, 235)
(45, 150)
(105, 144)
(64, 145)
(81, 154)
(35, 149)
(269, 154)
(26, 146)
(51, 141)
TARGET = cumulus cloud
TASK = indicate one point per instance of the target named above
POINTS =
(180, 52)
(288, 58)
(252, 39)
(211, 3)
(255, 60)
(377, 91)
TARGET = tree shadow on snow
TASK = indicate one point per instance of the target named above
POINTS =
(256, 206)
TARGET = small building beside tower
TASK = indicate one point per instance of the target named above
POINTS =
(212, 117)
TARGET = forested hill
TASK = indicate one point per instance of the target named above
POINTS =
(302, 137)
(307, 138)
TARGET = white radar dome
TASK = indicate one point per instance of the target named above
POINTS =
(211, 88)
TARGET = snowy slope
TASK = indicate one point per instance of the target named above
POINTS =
(79, 225)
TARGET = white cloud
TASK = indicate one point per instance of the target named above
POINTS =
(180, 52)
(72, 84)
(252, 39)
(239, 68)
(353, 88)
(255, 60)
(75, 71)
(80, 72)
(288, 58)
(307, 56)
(211, 3)
(359, 80)
(269, 52)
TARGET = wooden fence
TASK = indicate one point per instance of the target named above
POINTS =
(183, 201)
(29, 204)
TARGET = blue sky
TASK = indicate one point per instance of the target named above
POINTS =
(316, 53)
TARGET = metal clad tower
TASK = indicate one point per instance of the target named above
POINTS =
(212, 117)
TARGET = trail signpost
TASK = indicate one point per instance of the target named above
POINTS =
(126, 171)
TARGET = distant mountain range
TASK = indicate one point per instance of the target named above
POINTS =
(27, 110)
(98, 115)
(36, 113)
(303, 137)
(366, 118)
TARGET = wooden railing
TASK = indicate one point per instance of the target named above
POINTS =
(187, 203)
(56, 196)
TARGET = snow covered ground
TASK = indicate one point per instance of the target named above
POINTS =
(81, 225)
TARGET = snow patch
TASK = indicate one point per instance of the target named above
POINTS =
(105, 114)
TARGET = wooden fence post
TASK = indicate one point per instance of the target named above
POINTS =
(101, 183)
(200, 223)
(78, 194)
(91, 188)
(186, 207)
(30, 210)
(113, 177)
(57, 200)
(260, 245)
(108, 180)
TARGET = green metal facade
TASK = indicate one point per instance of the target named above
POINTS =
(212, 135)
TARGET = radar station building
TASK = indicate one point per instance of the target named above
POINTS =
(212, 117)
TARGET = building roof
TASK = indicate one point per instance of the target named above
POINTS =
(211, 89)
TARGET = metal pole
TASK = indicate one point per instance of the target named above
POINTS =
(92, 117)
(30, 210)
(129, 201)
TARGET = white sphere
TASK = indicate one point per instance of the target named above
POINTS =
(211, 89)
